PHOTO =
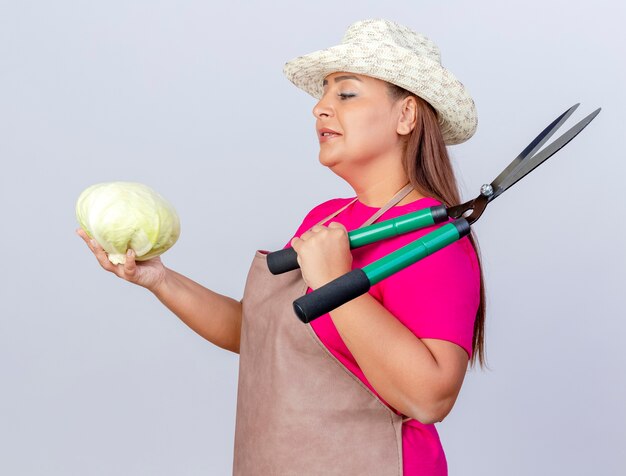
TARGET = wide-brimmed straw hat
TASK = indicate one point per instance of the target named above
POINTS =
(386, 50)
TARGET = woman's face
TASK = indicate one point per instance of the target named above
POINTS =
(357, 122)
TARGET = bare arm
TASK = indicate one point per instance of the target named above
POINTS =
(213, 316)
(419, 377)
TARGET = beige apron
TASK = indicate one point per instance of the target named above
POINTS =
(299, 410)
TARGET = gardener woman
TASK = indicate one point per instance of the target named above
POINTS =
(357, 391)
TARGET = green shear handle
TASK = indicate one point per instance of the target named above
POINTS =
(359, 280)
(287, 259)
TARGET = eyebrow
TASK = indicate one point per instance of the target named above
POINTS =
(342, 78)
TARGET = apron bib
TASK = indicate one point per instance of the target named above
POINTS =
(300, 411)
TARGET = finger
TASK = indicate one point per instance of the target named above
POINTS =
(336, 224)
(313, 231)
(130, 266)
(102, 256)
(91, 242)
(83, 234)
(295, 242)
(338, 228)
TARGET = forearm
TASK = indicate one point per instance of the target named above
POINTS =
(397, 364)
(213, 316)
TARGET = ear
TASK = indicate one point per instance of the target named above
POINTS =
(408, 116)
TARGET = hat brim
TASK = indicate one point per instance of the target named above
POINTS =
(420, 75)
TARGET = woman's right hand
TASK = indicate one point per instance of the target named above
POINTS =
(150, 273)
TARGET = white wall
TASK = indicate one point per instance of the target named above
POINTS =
(98, 378)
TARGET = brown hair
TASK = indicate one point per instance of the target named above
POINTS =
(428, 168)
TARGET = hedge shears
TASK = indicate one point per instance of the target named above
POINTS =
(359, 280)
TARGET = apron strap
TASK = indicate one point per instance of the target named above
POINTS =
(334, 214)
(391, 203)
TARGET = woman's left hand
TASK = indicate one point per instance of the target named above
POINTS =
(323, 254)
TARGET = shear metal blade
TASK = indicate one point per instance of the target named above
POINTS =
(532, 163)
(530, 149)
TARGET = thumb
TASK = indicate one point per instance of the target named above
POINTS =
(130, 266)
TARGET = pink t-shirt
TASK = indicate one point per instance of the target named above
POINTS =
(436, 297)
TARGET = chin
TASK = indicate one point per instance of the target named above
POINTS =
(327, 161)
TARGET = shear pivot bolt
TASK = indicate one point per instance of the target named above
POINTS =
(486, 190)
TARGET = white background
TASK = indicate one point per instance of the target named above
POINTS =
(98, 378)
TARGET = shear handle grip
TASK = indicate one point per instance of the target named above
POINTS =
(439, 213)
(282, 261)
(332, 295)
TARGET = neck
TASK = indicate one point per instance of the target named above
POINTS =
(377, 195)
(375, 186)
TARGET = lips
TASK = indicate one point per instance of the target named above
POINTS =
(326, 134)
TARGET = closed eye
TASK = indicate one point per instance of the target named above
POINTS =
(344, 96)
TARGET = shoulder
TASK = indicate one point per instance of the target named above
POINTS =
(318, 213)
(326, 208)
(321, 211)
(454, 267)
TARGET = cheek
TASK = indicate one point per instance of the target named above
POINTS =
(375, 129)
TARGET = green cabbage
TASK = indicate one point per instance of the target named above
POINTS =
(128, 215)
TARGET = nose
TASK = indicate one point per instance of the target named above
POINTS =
(322, 108)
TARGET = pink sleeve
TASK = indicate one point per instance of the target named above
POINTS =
(438, 296)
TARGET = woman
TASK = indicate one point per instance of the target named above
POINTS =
(358, 390)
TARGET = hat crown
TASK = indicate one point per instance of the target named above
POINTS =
(394, 53)
(386, 31)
